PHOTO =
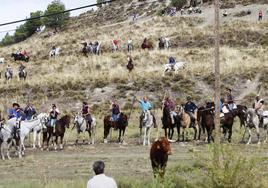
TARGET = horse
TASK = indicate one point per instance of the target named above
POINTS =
(186, 123)
(25, 129)
(2, 60)
(176, 67)
(44, 117)
(81, 126)
(254, 122)
(130, 66)
(22, 74)
(8, 133)
(55, 52)
(168, 126)
(97, 48)
(227, 122)
(20, 57)
(241, 113)
(9, 75)
(147, 123)
(205, 119)
(60, 127)
(120, 124)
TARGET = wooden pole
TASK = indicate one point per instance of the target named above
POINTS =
(217, 72)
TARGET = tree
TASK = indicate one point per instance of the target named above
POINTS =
(58, 20)
(8, 39)
(178, 3)
(32, 25)
(100, 1)
(21, 33)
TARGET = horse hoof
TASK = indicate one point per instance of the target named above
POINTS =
(105, 141)
(42, 149)
(259, 143)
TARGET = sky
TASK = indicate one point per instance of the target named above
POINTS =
(12, 10)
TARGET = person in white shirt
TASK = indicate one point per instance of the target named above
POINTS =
(100, 180)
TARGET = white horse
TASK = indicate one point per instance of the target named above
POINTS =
(2, 60)
(7, 133)
(25, 129)
(253, 122)
(147, 123)
(44, 117)
(55, 52)
(81, 127)
(9, 75)
(176, 67)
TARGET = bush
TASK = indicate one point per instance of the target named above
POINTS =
(178, 3)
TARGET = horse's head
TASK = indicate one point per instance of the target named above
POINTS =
(180, 110)
(147, 114)
(66, 120)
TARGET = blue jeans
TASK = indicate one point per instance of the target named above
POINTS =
(115, 117)
(52, 122)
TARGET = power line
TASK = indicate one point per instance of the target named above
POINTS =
(57, 13)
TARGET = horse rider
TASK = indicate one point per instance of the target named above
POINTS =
(170, 106)
(191, 109)
(130, 64)
(230, 100)
(29, 111)
(53, 51)
(22, 68)
(115, 110)
(129, 45)
(9, 69)
(171, 62)
(86, 113)
(115, 45)
(145, 44)
(53, 116)
(259, 107)
(24, 53)
(16, 112)
(145, 105)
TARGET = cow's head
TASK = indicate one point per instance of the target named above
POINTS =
(164, 145)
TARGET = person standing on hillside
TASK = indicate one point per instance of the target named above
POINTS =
(260, 15)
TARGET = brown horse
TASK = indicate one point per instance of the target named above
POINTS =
(168, 126)
(205, 119)
(60, 127)
(120, 124)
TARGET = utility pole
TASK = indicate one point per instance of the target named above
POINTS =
(217, 71)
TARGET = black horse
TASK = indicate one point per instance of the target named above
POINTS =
(168, 126)
(20, 57)
(22, 74)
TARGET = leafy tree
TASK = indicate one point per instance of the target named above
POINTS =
(21, 33)
(100, 1)
(8, 39)
(56, 21)
(32, 25)
(178, 3)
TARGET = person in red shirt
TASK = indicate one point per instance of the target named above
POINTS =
(115, 45)
(260, 15)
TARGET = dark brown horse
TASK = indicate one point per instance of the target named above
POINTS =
(241, 113)
(205, 119)
(60, 127)
(120, 124)
(168, 126)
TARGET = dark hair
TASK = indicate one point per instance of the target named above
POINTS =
(16, 104)
(98, 167)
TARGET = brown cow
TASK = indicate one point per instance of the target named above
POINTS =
(159, 155)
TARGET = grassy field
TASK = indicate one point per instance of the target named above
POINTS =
(188, 166)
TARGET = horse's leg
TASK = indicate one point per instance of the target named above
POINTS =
(84, 136)
(258, 134)
(77, 137)
(208, 134)
(3, 146)
(61, 141)
(34, 139)
(243, 138)
(119, 136)
(39, 139)
(148, 136)
(106, 133)
(140, 135)
(266, 137)
(230, 134)
(249, 138)
(55, 142)
(195, 132)
(178, 132)
(144, 136)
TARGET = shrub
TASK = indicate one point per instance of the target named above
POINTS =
(178, 3)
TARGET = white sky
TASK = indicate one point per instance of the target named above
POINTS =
(12, 10)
